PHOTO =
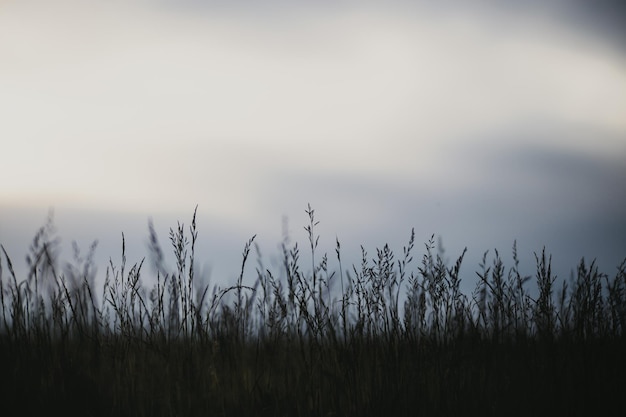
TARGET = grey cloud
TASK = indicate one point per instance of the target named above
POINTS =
(572, 203)
(603, 19)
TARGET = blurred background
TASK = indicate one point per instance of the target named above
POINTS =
(481, 123)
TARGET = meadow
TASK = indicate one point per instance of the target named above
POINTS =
(394, 335)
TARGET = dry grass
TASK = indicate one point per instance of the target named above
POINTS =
(388, 336)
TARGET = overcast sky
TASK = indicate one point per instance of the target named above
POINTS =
(480, 124)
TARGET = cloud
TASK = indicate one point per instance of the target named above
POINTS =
(383, 117)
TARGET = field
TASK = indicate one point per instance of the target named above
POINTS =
(393, 335)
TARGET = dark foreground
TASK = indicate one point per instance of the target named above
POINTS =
(389, 337)
(361, 378)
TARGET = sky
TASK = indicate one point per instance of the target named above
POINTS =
(482, 124)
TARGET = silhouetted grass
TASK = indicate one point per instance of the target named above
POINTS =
(389, 336)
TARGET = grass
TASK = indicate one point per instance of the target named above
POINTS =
(392, 336)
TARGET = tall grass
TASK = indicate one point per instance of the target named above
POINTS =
(391, 335)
